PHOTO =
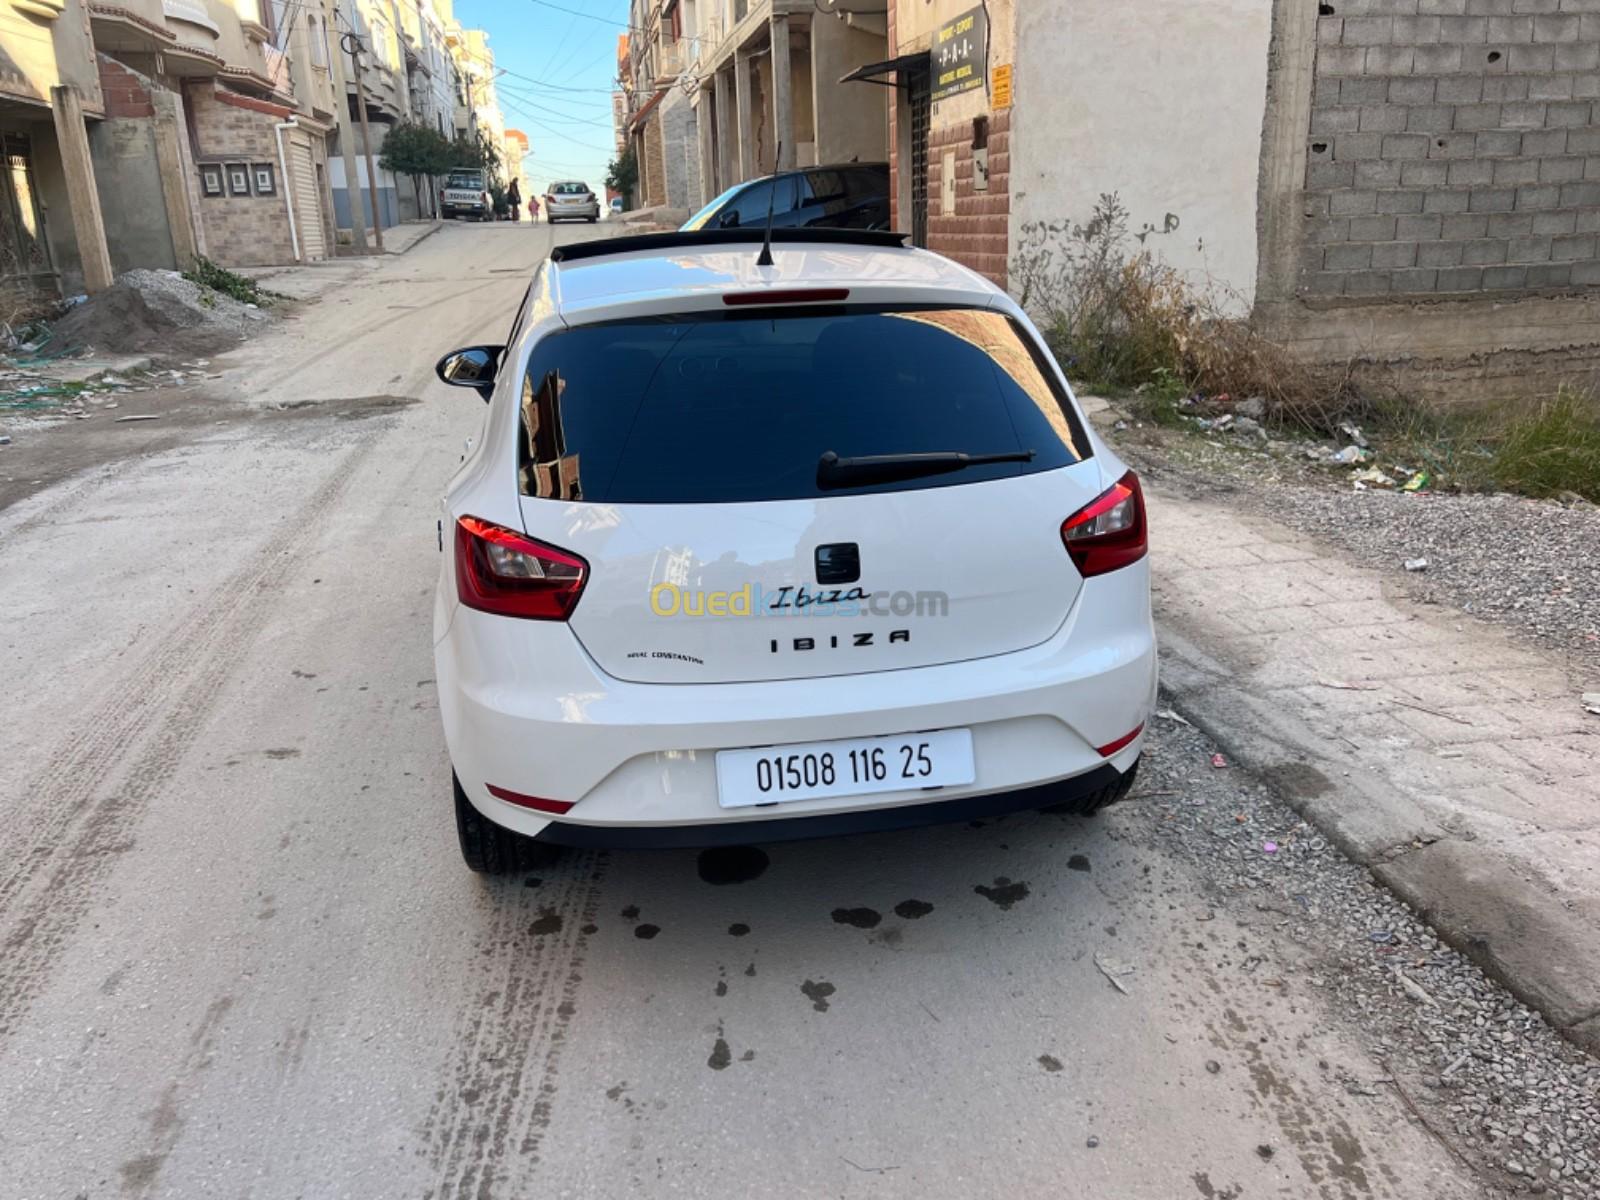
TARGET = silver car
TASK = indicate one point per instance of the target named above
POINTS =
(570, 201)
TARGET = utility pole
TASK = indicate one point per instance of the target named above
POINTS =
(352, 43)
(347, 142)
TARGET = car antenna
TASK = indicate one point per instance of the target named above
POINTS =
(764, 259)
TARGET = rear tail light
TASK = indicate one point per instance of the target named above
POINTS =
(1110, 531)
(501, 571)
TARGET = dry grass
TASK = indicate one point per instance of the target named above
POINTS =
(21, 305)
(1120, 320)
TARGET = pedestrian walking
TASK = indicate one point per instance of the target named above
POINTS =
(514, 198)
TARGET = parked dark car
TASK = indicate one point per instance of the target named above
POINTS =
(845, 196)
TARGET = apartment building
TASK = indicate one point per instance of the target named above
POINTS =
(661, 120)
(768, 85)
(146, 132)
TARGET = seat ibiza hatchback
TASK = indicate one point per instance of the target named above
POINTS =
(749, 552)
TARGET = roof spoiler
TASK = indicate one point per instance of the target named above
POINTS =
(679, 240)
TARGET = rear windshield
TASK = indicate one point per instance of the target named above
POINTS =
(464, 179)
(724, 408)
(570, 189)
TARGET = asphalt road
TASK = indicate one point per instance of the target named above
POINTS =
(242, 957)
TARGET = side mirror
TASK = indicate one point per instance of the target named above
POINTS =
(472, 367)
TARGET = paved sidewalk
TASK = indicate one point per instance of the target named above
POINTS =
(397, 239)
(1456, 763)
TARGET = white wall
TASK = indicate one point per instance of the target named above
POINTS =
(1161, 101)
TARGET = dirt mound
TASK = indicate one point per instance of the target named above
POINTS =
(157, 312)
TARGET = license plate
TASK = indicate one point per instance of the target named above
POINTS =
(851, 767)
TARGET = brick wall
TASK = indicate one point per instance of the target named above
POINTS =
(977, 234)
(125, 92)
(240, 231)
(1454, 147)
(655, 169)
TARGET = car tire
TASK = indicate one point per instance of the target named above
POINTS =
(491, 849)
(1088, 806)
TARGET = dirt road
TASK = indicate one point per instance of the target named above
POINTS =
(242, 957)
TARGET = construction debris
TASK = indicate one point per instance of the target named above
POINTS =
(156, 311)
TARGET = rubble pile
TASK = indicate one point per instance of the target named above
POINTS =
(156, 312)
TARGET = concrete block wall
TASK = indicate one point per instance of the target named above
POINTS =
(1454, 147)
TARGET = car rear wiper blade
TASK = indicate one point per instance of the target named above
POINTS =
(835, 472)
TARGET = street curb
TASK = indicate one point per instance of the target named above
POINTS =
(1477, 900)
(421, 237)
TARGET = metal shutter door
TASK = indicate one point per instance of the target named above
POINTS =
(307, 203)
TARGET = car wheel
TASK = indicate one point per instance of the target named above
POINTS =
(491, 849)
(592, 220)
(1087, 806)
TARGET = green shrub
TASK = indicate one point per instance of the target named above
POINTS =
(219, 279)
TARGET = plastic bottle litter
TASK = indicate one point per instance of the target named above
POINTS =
(1350, 456)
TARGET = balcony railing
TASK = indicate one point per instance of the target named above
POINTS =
(669, 60)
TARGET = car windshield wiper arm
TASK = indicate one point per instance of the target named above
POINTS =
(836, 472)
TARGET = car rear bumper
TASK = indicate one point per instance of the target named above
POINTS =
(1078, 789)
(525, 709)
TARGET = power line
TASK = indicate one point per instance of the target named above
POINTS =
(556, 53)
(488, 61)
(591, 17)
(538, 123)
(554, 114)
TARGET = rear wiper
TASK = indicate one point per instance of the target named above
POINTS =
(835, 472)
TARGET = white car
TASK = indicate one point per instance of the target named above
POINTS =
(570, 201)
(752, 552)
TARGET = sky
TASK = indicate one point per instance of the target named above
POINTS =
(560, 63)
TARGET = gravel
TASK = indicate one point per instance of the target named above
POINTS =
(1530, 565)
(1533, 565)
(1485, 1074)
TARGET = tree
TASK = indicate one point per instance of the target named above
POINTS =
(418, 151)
(476, 153)
(622, 174)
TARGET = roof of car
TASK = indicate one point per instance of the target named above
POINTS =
(687, 271)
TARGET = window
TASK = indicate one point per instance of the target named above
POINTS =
(238, 179)
(319, 42)
(821, 187)
(266, 185)
(866, 183)
(716, 408)
(211, 179)
(749, 207)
